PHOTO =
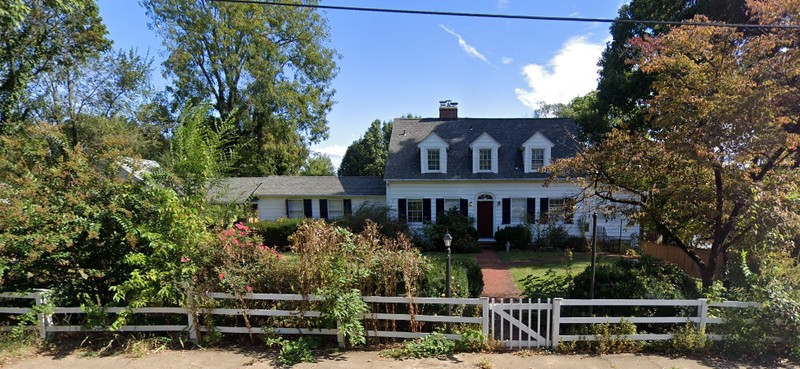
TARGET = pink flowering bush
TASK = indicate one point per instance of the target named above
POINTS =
(239, 263)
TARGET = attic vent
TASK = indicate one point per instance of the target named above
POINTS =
(448, 110)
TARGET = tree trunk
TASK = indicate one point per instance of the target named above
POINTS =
(708, 271)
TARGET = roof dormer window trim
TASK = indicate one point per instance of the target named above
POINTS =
(537, 151)
(429, 161)
(484, 151)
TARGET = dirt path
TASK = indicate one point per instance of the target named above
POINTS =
(497, 281)
(227, 359)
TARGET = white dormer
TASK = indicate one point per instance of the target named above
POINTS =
(484, 154)
(536, 152)
(433, 154)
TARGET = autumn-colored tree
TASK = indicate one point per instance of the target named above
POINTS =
(718, 166)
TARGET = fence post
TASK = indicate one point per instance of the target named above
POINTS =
(702, 314)
(340, 336)
(45, 320)
(191, 312)
(556, 322)
(485, 321)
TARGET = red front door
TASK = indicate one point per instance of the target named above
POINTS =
(485, 219)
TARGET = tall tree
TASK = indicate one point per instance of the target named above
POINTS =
(112, 85)
(367, 155)
(623, 88)
(35, 37)
(267, 68)
(718, 166)
(318, 165)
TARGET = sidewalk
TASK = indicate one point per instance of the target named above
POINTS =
(230, 359)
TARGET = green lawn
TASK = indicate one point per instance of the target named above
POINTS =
(524, 263)
(442, 256)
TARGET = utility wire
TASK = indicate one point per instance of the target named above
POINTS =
(522, 17)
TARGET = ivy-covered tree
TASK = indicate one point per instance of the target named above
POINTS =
(267, 69)
(367, 155)
(718, 166)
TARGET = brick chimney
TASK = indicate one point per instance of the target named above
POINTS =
(448, 110)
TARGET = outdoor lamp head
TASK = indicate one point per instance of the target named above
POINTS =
(448, 239)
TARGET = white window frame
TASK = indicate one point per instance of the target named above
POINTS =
(537, 159)
(293, 206)
(434, 156)
(334, 213)
(555, 209)
(409, 218)
(432, 142)
(484, 142)
(452, 203)
(482, 152)
(536, 142)
(519, 210)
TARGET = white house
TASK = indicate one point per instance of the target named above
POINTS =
(487, 168)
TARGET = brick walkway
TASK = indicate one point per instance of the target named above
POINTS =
(497, 281)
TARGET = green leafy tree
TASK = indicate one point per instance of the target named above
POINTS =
(318, 165)
(718, 167)
(37, 36)
(112, 85)
(267, 69)
(367, 155)
(623, 88)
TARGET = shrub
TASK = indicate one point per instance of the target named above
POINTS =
(519, 236)
(434, 281)
(293, 351)
(547, 286)
(575, 243)
(474, 276)
(644, 278)
(377, 213)
(551, 236)
(276, 233)
(465, 236)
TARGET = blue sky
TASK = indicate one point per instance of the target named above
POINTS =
(395, 64)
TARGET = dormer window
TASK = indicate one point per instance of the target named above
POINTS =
(536, 152)
(484, 154)
(434, 160)
(485, 159)
(537, 158)
(433, 154)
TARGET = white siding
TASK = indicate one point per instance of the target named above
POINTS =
(272, 208)
(499, 189)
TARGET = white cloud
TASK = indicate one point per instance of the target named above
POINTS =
(502, 4)
(571, 72)
(507, 60)
(469, 49)
(335, 152)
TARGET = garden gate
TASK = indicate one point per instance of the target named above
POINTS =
(520, 324)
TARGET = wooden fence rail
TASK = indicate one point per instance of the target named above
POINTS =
(515, 324)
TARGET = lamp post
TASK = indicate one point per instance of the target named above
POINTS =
(448, 240)
(594, 257)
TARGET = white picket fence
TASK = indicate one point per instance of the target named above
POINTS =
(514, 323)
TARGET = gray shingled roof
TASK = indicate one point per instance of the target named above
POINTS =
(404, 155)
(240, 189)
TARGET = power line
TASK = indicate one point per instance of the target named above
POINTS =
(522, 17)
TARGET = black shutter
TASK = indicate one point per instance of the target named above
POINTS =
(544, 205)
(307, 208)
(464, 205)
(287, 208)
(348, 206)
(506, 211)
(531, 210)
(426, 210)
(401, 210)
(439, 208)
(323, 209)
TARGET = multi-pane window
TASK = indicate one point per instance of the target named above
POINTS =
(335, 209)
(295, 209)
(537, 158)
(414, 211)
(519, 211)
(433, 160)
(452, 203)
(556, 210)
(484, 159)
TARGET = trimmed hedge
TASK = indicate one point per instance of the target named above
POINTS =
(519, 236)
(465, 236)
(276, 232)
